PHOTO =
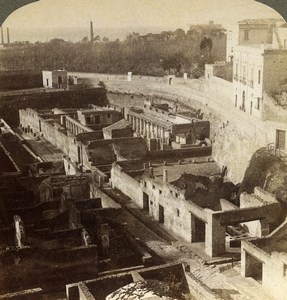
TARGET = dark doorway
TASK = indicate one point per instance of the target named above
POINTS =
(47, 81)
(40, 127)
(280, 139)
(79, 154)
(145, 202)
(169, 81)
(161, 214)
(97, 119)
(197, 230)
(254, 268)
(59, 81)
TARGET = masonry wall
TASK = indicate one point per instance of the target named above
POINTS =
(215, 85)
(126, 184)
(235, 134)
(275, 69)
(177, 217)
(273, 275)
(10, 104)
(19, 80)
(30, 119)
(258, 34)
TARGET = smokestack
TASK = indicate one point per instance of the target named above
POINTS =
(2, 36)
(8, 36)
(92, 32)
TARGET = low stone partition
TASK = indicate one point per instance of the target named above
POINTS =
(172, 274)
(181, 153)
(32, 294)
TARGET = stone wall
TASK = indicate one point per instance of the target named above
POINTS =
(273, 273)
(235, 134)
(19, 80)
(107, 201)
(128, 185)
(11, 103)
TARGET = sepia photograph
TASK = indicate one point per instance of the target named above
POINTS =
(143, 150)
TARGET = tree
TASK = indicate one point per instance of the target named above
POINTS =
(85, 39)
(206, 44)
(173, 63)
(179, 34)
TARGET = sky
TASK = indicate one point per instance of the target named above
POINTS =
(69, 19)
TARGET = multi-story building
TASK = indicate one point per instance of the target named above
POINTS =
(259, 63)
(260, 73)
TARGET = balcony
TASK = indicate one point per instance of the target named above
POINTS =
(235, 77)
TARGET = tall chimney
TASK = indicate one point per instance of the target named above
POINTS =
(92, 32)
(8, 36)
(2, 36)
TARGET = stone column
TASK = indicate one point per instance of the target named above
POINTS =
(148, 130)
(162, 135)
(214, 235)
(145, 128)
(133, 122)
(138, 125)
(152, 131)
(141, 127)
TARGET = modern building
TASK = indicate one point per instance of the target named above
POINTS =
(55, 79)
(259, 63)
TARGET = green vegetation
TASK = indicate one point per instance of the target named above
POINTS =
(153, 54)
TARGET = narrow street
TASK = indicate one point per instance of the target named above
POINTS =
(227, 284)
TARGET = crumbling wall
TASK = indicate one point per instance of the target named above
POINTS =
(126, 184)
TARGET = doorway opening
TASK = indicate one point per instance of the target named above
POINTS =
(161, 214)
(197, 230)
(254, 268)
(145, 202)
